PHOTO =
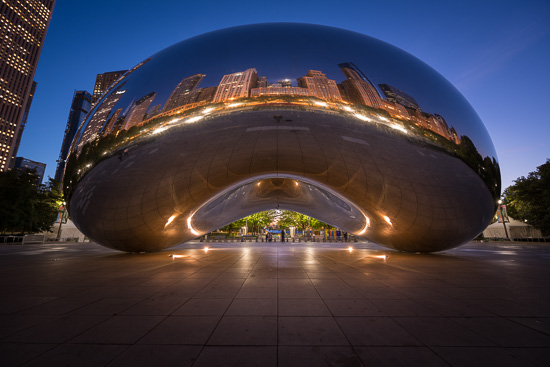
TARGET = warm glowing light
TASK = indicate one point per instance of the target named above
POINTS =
(387, 219)
(384, 257)
(399, 127)
(234, 105)
(190, 226)
(206, 249)
(170, 220)
(319, 103)
(176, 256)
(348, 108)
(350, 249)
(296, 182)
(382, 118)
(159, 130)
(367, 223)
(193, 119)
(208, 110)
(362, 117)
(174, 121)
(88, 165)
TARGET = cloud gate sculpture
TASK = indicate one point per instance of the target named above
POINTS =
(323, 121)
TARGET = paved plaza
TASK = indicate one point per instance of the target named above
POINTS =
(258, 304)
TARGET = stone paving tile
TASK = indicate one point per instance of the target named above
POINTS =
(162, 305)
(10, 324)
(189, 330)
(245, 330)
(505, 333)
(119, 330)
(300, 356)
(434, 331)
(375, 331)
(253, 307)
(353, 307)
(237, 356)
(204, 306)
(143, 355)
(303, 307)
(403, 308)
(310, 331)
(78, 355)
(15, 354)
(399, 356)
(481, 356)
(58, 330)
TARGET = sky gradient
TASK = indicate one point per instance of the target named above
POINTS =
(495, 52)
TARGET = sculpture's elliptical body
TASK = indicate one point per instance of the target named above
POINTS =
(319, 120)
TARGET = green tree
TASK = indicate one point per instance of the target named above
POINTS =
(529, 198)
(26, 207)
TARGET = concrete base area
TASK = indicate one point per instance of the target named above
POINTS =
(257, 304)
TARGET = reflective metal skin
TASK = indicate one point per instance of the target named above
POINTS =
(323, 121)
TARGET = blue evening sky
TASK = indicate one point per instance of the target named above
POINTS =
(497, 53)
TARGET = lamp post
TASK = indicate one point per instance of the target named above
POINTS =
(62, 214)
(503, 220)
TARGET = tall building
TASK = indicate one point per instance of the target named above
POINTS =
(23, 27)
(104, 81)
(183, 93)
(25, 164)
(396, 95)
(236, 85)
(80, 106)
(138, 111)
(320, 86)
(357, 88)
(24, 119)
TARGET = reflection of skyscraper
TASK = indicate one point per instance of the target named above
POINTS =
(206, 94)
(80, 107)
(104, 81)
(236, 85)
(182, 94)
(23, 26)
(262, 83)
(320, 86)
(396, 95)
(138, 110)
(357, 88)
(100, 116)
(279, 91)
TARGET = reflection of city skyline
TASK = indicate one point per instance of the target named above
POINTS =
(355, 89)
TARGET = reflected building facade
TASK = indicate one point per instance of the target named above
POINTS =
(335, 133)
(103, 81)
(80, 106)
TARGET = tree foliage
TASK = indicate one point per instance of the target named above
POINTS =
(26, 207)
(529, 198)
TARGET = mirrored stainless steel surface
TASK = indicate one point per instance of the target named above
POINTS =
(327, 122)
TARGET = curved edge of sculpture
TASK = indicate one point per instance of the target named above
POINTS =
(154, 165)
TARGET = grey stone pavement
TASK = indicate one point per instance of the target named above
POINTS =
(483, 304)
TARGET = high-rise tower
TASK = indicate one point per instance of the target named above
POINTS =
(104, 81)
(23, 27)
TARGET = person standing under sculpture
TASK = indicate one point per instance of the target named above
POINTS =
(282, 235)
